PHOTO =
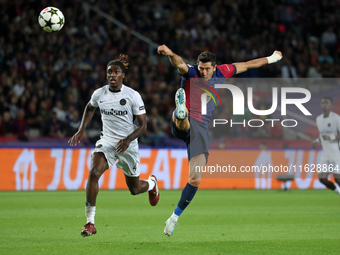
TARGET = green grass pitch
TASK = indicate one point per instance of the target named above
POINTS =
(216, 222)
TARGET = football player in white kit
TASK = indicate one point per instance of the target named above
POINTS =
(119, 105)
(328, 124)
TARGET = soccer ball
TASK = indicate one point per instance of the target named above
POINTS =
(51, 19)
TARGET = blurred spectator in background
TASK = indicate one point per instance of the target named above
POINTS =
(19, 126)
(34, 119)
(19, 87)
(288, 71)
(59, 110)
(328, 39)
(55, 127)
(7, 124)
(45, 115)
(73, 123)
(156, 126)
(325, 57)
(2, 126)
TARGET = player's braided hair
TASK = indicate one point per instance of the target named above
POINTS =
(122, 62)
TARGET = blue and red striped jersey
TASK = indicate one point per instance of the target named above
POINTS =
(194, 87)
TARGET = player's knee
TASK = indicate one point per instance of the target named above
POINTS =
(194, 181)
(95, 173)
(134, 191)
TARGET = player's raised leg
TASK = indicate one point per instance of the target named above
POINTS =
(137, 186)
(180, 114)
(188, 192)
(98, 167)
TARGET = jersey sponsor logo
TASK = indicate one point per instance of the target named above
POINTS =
(141, 108)
(114, 112)
(122, 101)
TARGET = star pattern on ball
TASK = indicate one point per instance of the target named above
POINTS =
(48, 23)
(53, 11)
(61, 21)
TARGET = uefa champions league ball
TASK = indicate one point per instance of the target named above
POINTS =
(51, 19)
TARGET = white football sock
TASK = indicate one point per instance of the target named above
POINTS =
(174, 216)
(90, 211)
(151, 184)
(337, 189)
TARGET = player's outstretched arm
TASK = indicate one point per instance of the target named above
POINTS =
(175, 60)
(122, 145)
(87, 116)
(256, 63)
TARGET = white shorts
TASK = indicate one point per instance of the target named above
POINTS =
(329, 166)
(128, 161)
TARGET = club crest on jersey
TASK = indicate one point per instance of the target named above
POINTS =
(122, 101)
(114, 112)
(209, 95)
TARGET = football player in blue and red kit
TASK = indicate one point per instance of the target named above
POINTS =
(188, 123)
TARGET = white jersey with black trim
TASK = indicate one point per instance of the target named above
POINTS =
(329, 126)
(117, 111)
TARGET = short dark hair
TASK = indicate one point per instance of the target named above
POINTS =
(207, 56)
(329, 98)
(122, 62)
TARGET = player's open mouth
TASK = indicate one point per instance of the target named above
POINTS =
(113, 81)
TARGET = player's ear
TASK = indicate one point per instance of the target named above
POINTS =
(123, 75)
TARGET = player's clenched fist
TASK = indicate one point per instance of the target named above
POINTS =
(164, 50)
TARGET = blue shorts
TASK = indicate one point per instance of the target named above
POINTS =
(196, 138)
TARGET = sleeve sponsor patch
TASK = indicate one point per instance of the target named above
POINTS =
(141, 108)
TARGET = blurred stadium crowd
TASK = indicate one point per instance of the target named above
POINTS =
(46, 79)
